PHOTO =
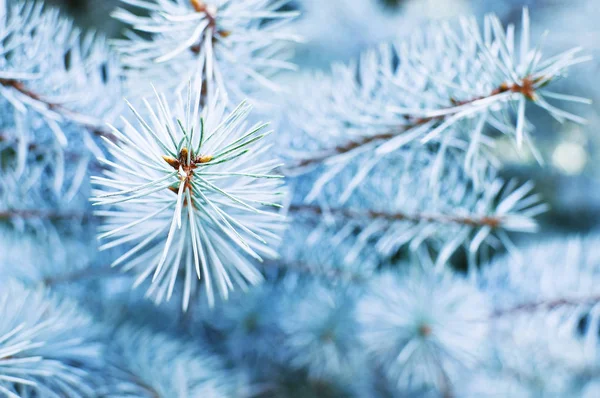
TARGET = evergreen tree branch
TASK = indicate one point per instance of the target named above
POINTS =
(146, 387)
(72, 156)
(82, 274)
(546, 305)
(474, 221)
(19, 86)
(333, 274)
(526, 88)
(53, 215)
(109, 272)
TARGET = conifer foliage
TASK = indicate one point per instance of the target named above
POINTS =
(235, 227)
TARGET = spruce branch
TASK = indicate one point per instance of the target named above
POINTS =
(546, 305)
(422, 326)
(58, 86)
(526, 87)
(203, 197)
(403, 96)
(52, 215)
(347, 213)
(80, 275)
(189, 193)
(95, 129)
(319, 329)
(318, 271)
(145, 362)
(393, 209)
(547, 275)
(235, 46)
(48, 346)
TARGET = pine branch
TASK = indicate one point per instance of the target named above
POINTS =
(526, 88)
(21, 88)
(474, 221)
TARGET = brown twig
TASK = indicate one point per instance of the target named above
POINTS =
(335, 274)
(545, 305)
(21, 88)
(44, 214)
(200, 6)
(473, 221)
(81, 274)
(527, 88)
(40, 150)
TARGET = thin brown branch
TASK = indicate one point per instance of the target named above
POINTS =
(138, 381)
(82, 274)
(527, 88)
(334, 274)
(43, 214)
(546, 305)
(149, 389)
(68, 155)
(200, 6)
(473, 221)
(352, 145)
(21, 88)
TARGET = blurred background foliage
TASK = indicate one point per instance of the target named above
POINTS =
(569, 182)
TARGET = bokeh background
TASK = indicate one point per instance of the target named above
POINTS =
(569, 181)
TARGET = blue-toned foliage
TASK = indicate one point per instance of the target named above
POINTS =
(381, 257)
(320, 332)
(236, 46)
(423, 329)
(48, 346)
(147, 364)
